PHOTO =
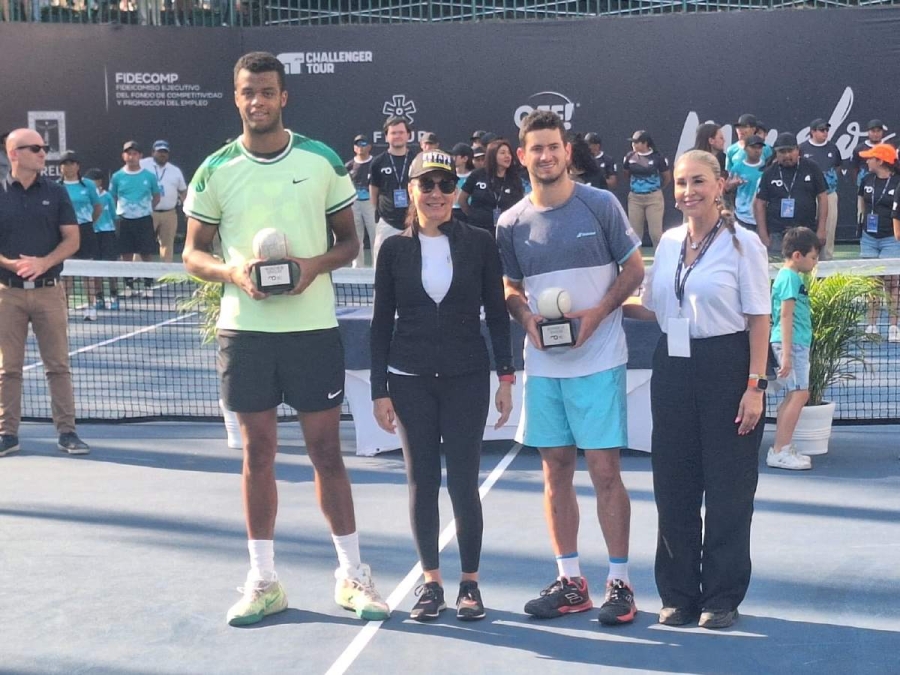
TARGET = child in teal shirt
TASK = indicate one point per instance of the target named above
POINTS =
(791, 340)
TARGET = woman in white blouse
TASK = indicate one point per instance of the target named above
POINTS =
(709, 291)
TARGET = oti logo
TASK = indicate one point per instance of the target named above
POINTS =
(553, 101)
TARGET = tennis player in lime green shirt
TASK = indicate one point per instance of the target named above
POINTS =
(286, 348)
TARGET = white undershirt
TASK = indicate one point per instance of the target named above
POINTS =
(437, 272)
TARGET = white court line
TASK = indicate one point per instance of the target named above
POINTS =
(97, 345)
(354, 649)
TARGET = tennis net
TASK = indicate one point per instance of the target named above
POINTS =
(146, 359)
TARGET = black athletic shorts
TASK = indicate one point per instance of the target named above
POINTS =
(136, 235)
(107, 246)
(259, 371)
(87, 247)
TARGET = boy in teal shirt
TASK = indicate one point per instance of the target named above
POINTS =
(791, 340)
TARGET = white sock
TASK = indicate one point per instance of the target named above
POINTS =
(568, 565)
(262, 558)
(618, 569)
(347, 547)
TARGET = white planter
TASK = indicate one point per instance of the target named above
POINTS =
(232, 428)
(814, 429)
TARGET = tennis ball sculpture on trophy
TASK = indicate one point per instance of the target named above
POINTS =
(274, 273)
(555, 330)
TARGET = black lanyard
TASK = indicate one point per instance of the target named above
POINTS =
(887, 184)
(499, 194)
(399, 176)
(704, 247)
(784, 183)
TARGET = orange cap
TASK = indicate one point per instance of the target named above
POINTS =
(883, 151)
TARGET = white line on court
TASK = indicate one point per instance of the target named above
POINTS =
(97, 345)
(354, 649)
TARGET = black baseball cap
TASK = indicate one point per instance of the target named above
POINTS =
(593, 137)
(639, 136)
(785, 140)
(478, 152)
(876, 124)
(819, 123)
(131, 145)
(94, 174)
(754, 140)
(476, 135)
(69, 156)
(360, 140)
(487, 138)
(463, 150)
(430, 137)
(432, 160)
(747, 120)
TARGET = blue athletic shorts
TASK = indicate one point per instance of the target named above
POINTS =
(588, 412)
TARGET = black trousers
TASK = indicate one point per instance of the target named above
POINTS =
(697, 454)
(453, 409)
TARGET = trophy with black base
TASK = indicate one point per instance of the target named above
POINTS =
(273, 273)
(555, 330)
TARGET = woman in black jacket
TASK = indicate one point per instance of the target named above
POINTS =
(431, 371)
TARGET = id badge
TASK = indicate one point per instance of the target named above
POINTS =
(497, 213)
(401, 199)
(678, 334)
(787, 207)
(162, 191)
(872, 224)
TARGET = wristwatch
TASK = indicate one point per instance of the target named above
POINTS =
(758, 382)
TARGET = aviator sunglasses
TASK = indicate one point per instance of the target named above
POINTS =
(446, 185)
(35, 148)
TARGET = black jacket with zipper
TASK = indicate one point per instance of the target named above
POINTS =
(438, 340)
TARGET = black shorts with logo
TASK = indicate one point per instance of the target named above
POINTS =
(259, 371)
(87, 246)
(136, 235)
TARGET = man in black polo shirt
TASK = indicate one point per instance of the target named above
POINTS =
(791, 192)
(388, 182)
(827, 157)
(38, 231)
(605, 163)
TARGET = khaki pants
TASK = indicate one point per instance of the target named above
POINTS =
(165, 223)
(830, 226)
(647, 209)
(45, 309)
(364, 218)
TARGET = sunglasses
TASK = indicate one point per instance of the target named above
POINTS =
(34, 148)
(445, 185)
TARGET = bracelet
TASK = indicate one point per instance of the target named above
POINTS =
(511, 378)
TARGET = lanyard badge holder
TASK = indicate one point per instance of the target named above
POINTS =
(872, 218)
(401, 196)
(678, 329)
(788, 204)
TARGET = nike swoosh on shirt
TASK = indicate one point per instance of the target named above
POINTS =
(300, 181)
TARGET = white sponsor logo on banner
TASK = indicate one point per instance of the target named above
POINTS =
(320, 63)
(553, 101)
(853, 134)
(155, 90)
(51, 125)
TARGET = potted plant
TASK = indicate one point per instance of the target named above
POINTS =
(205, 301)
(839, 303)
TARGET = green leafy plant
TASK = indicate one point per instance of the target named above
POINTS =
(839, 304)
(205, 300)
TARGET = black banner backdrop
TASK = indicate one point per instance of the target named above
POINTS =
(90, 88)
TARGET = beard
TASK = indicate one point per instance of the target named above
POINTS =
(260, 128)
(550, 179)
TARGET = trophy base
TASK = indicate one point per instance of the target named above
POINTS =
(557, 333)
(275, 277)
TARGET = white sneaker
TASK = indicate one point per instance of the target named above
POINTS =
(788, 459)
(357, 593)
(893, 334)
(260, 599)
(90, 314)
(148, 292)
(127, 292)
(871, 329)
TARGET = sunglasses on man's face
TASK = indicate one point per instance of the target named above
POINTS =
(445, 185)
(34, 148)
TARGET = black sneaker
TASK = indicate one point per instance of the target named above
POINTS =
(469, 606)
(563, 596)
(430, 603)
(8, 445)
(618, 607)
(69, 442)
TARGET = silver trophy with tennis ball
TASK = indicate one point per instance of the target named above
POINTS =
(555, 330)
(273, 273)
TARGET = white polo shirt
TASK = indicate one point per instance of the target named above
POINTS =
(725, 286)
(171, 182)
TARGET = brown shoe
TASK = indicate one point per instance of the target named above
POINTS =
(677, 616)
(718, 619)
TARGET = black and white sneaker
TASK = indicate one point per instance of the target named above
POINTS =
(70, 443)
(618, 606)
(563, 596)
(430, 603)
(8, 444)
(469, 606)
